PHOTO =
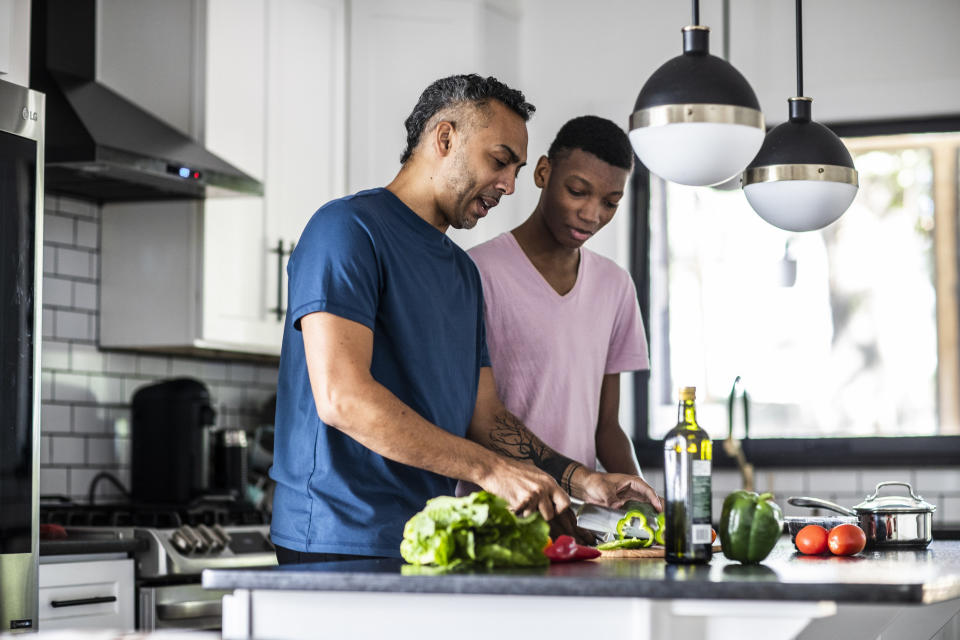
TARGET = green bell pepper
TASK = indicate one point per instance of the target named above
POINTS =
(639, 516)
(750, 526)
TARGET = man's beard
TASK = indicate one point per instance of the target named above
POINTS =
(462, 184)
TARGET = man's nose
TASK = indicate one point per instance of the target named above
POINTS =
(507, 183)
(590, 212)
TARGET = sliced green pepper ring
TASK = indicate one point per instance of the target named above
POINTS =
(628, 517)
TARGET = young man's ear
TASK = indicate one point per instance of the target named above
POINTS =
(541, 173)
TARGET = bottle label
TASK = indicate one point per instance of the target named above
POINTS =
(701, 496)
(702, 534)
(701, 468)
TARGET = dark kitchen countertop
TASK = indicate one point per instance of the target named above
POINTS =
(905, 576)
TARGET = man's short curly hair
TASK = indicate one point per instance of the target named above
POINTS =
(595, 135)
(455, 90)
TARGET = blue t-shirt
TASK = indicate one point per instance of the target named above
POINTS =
(369, 258)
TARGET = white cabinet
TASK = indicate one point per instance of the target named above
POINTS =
(201, 276)
(15, 41)
(97, 594)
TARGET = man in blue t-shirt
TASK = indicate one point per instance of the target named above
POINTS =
(385, 396)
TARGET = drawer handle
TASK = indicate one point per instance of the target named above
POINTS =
(82, 601)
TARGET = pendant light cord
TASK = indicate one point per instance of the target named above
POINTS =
(799, 50)
(696, 12)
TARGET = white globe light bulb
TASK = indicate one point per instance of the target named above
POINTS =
(800, 205)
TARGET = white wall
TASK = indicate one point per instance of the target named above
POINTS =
(15, 41)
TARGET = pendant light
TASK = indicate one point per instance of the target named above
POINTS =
(696, 121)
(803, 178)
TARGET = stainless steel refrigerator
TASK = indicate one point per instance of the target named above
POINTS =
(21, 211)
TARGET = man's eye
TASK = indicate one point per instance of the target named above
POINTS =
(611, 205)
(574, 192)
(500, 163)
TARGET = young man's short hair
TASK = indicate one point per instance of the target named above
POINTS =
(595, 135)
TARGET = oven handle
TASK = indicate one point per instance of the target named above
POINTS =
(82, 601)
(189, 609)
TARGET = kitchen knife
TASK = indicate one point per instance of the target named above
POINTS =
(603, 521)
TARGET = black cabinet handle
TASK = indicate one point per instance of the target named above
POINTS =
(81, 601)
(281, 254)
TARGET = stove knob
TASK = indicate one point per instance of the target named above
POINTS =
(213, 542)
(180, 542)
(222, 535)
(199, 546)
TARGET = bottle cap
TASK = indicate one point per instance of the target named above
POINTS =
(688, 393)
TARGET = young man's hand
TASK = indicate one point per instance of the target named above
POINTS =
(614, 489)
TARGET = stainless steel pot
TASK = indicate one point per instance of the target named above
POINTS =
(888, 521)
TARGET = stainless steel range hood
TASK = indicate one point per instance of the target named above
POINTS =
(100, 145)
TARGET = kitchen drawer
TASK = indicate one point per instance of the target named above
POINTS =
(87, 595)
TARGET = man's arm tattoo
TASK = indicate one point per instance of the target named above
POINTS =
(514, 440)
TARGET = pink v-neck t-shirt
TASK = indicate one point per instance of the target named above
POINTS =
(550, 352)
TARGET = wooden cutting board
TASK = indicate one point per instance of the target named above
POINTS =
(656, 551)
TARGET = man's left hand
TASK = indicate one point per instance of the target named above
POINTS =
(616, 489)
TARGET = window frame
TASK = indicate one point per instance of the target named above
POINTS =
(899, 451)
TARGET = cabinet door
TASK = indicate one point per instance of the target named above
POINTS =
(87, 595)
(306, 101)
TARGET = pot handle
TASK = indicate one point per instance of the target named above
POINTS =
(817, 502)
(876, 491)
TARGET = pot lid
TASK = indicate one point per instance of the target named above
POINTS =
(895, 503)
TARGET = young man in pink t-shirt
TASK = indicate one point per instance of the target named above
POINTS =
(562, 321)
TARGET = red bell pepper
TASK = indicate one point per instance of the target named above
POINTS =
(565, 549)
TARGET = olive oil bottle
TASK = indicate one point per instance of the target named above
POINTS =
(687, 455)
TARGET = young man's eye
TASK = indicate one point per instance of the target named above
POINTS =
(611, 205)
(500, 163)
(574, 192)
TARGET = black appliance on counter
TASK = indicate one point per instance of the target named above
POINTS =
(171, 441)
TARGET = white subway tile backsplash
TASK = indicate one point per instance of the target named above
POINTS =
(88, 234)
(49, 260)
(108, 389)
(85, 296)
(102, 451)
(71, 387)
(57, 292)
(86, 358)
(76, 263)
(81, 208)
(68, 450)
(54, 417)
(58, 229)
(46, 453)
(725, 481)
(85, 416)
(122, 363)
(47, 324)
(870, 478)
(929, 480)
(153, 366)
(239, 372)
(949, 509)
(654, 478)
(54, 355)
(91, 419)
(53, 482)
(72, 325)
(824, 482)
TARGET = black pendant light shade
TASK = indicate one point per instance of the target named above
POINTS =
(696, 120)
(803, 177)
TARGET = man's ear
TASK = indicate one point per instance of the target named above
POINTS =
(541, 173)
(444, 137)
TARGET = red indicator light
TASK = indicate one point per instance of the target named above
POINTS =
(196, 174)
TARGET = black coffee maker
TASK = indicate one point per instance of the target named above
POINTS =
(171, 441)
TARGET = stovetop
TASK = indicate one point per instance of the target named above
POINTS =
(173, 540)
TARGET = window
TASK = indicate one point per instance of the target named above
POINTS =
(844, 339)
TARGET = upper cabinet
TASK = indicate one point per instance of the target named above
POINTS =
(271, 91)
(15, 41)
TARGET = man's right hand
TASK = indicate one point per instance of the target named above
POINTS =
(527, 489)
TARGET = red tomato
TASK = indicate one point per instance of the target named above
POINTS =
(811, 540)
(846, 540)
